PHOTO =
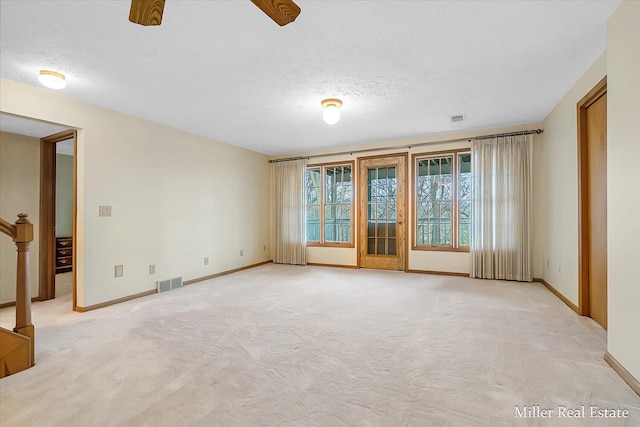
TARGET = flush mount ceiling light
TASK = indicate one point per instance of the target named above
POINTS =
(52, 80)
(331, 113)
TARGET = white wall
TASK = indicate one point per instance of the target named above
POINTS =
(452, 262)
(623, 184)
(19, 192)
(64, 195)
(560, 203)
(176, 197)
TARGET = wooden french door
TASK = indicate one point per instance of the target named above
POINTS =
(382, 212)
(593, 204)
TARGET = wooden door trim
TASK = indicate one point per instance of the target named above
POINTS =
(584, 213)
(47, 217)
(360, 216)
(47, 268)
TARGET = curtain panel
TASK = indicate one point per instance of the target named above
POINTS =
(289, 212)
(502, 192)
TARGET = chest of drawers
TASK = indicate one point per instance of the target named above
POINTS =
(64, 254)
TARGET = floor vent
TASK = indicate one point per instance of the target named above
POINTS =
(167, 285)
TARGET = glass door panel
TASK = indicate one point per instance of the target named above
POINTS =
(382, 201)
(381, 191)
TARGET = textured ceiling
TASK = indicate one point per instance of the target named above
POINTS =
(224, 70)
(28, 127)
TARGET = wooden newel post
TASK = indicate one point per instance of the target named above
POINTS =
(22, 239)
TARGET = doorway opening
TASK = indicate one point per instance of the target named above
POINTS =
(592, 203)
(58, 215)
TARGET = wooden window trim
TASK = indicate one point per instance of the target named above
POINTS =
(323, 167)
(455, 221)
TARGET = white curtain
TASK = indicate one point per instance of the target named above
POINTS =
(288, 198)
(501, 209)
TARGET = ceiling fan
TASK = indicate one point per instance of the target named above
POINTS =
(149, 12)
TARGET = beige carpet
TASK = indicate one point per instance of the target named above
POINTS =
(313, 346)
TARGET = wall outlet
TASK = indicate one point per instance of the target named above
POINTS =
(241, 252)
(104, 210)
(206, 260)
(547, 263)
(559, 269)
(264, 248)
(152, 269)
(119, 271)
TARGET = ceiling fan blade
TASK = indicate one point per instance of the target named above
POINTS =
(283, 12)
(146, 12)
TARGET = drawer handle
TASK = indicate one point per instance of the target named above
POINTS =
(64, 243)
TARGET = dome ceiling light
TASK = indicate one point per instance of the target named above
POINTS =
(52, 80)
(331, 113)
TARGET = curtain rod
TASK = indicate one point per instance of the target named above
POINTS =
(366, 150)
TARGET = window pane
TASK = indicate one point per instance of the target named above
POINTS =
(391, 212)
(337, 219)
(382, 230)
(434, 201)
(421, 235)
(338, 184)
(465, 234)
(329, 186)
(445, 211)
(313, 223)
(371, 230)
(312, 186)
(334, 182)
(434, 234)
(465, 211)
(329, 231)
(346, 212)
(445, 233)
(347, 174)
(392, 246)
(329, 213)
(392, 172)
(371, 246)
(464, 161)
(392, 229)
(346, 233)
(464, 199)
(312, 197)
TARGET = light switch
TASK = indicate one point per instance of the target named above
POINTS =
(104, 211)
(119, 271)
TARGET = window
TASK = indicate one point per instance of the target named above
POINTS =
(442, 210)
(329, 201)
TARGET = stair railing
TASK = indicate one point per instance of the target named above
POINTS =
(22, 235)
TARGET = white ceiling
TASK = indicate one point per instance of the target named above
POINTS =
(25, 126)
(224, 70)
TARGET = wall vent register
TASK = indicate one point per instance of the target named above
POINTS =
(169, 284)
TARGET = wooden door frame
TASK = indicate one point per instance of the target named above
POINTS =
(362, 215)
(47, 267)
(584, 213)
